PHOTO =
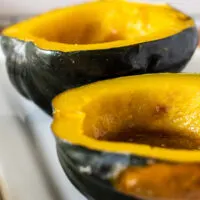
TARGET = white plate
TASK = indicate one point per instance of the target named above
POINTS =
(28, 162)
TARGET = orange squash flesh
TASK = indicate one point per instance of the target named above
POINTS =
(161, 181)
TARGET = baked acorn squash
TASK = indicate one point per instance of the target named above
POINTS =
(131, 137)
(77, 45)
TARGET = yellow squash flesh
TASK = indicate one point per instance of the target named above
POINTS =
(169, 102)
(101, 25)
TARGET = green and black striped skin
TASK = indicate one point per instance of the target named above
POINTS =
(41, 74)
(94, 182)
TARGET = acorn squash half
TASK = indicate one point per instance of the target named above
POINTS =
(77, 45)
(131, 137)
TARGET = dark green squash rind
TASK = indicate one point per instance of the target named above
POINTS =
(40, 74)
(94, 182)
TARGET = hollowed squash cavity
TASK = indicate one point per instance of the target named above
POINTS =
(164, 118)
(107, 21)
(134, 114)
(101, 22)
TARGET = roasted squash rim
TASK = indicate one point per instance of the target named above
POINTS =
(18, 31)
(71, 118)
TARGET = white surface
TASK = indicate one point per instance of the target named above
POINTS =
(37, 6)
(28, 161)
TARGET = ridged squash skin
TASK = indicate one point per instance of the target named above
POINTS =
(41, 74)
(40, 68)
(73, 158)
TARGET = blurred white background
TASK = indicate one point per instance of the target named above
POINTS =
(13, 7)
